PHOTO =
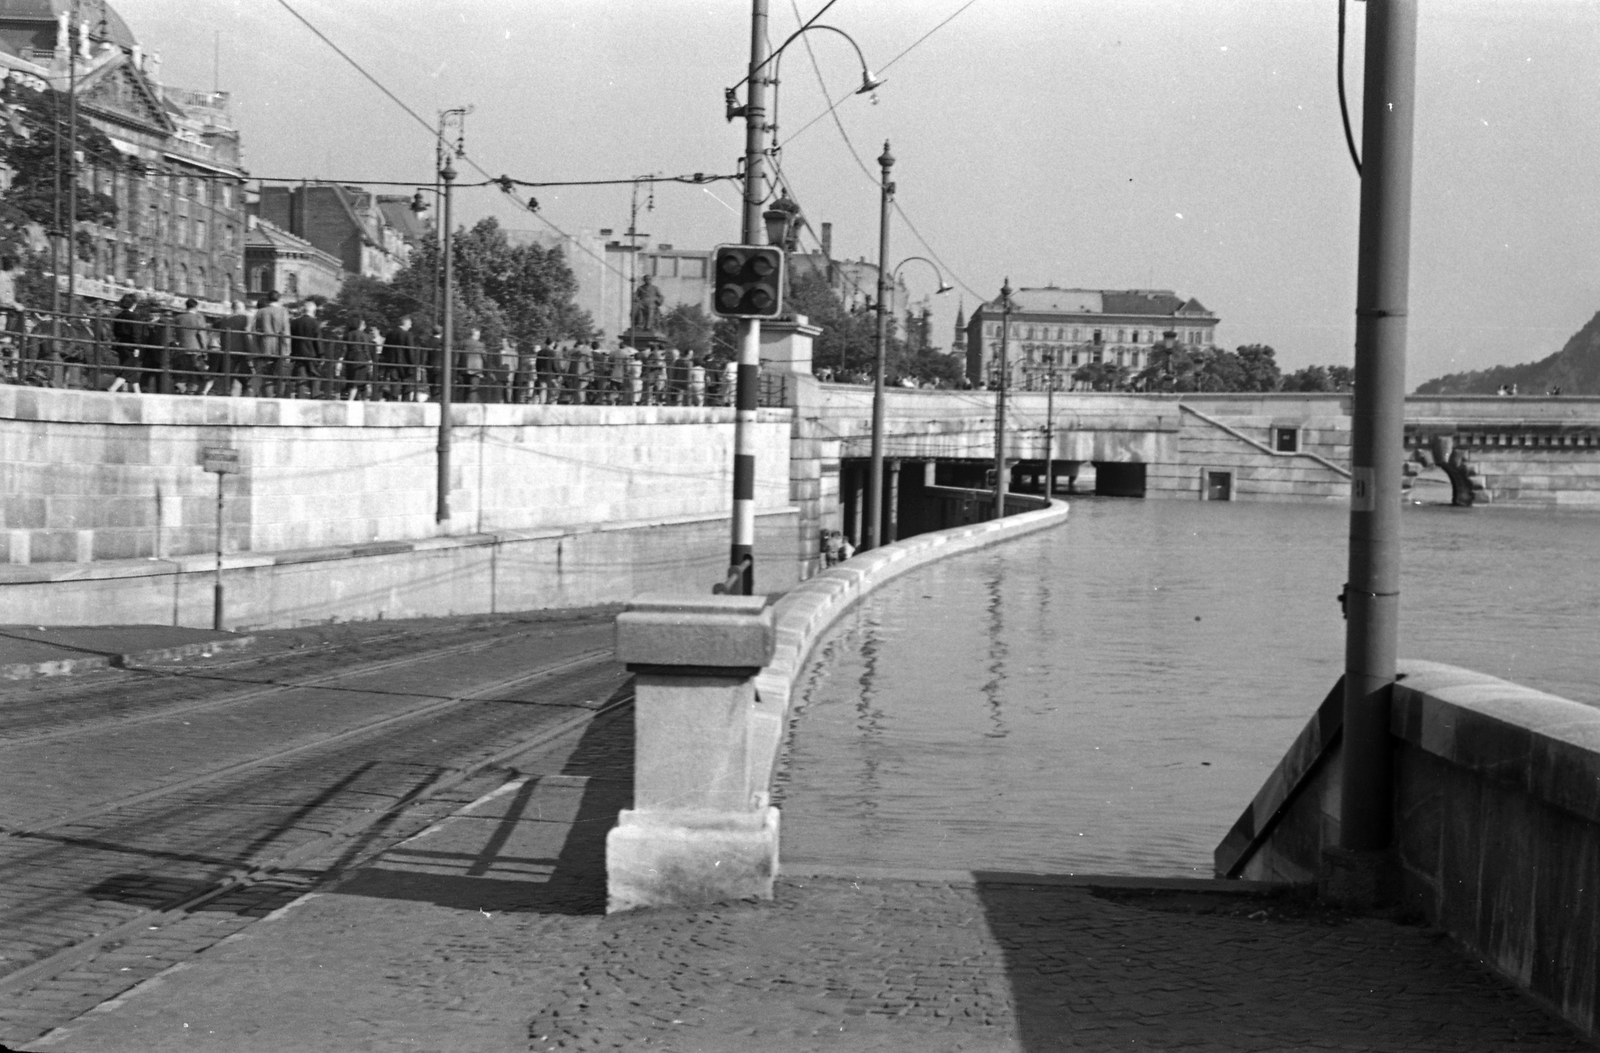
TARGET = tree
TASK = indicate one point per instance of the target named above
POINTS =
(1102, 376)
(688, 328)
(33, 140)
(521, 292)
(848, 343)
(1259, 366)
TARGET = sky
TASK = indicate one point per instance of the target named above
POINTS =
(1191, 146)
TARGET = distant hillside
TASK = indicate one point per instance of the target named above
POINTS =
(1575, 369)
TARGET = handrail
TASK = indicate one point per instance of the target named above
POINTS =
(1263, 447)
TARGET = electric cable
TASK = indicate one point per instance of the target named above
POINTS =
(1344, 108)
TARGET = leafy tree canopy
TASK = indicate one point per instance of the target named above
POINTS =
(521, 292)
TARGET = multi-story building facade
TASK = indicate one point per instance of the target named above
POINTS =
(180, 223)
(346, 222)
(276, 260)
(1078, 327)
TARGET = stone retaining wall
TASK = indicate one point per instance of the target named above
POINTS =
(88, 476)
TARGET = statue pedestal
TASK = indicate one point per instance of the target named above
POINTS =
(786, 343)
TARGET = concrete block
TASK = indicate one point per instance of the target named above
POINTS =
(733, 632)
(690, 859)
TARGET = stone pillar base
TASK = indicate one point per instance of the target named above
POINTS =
(690, 859)
(1358, 880)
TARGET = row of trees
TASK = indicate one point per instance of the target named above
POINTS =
(1181, 368)
(515, 292)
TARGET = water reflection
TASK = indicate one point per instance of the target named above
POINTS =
(1109, 695)
(998, 651)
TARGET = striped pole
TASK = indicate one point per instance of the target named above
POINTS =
(754, 233)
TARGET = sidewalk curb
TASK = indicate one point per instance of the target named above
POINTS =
(67, 666)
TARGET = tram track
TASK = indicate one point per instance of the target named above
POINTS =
(257, 691)
(312, 810)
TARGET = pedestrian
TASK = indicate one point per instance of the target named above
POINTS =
(582, 366)
(846, 550)
(523, 382)
(654, 374)
(697, 380)
(505, 371)
(469, 371)
(10, 307)
(730, 382)
(830, 547)
(190, 329)
(428, 354)
(272, 344)
(238, 350)
(547, 373)
(398, 361)
(677, 378)
(306, 352)
(360, 359)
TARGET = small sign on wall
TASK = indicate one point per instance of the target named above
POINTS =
(220, 459)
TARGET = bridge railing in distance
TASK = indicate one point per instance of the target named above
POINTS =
(1496, 826)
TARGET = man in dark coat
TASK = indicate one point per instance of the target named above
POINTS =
(305, 346)
(399, 361)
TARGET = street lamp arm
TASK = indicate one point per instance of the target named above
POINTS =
(944, 287)
(868, 81)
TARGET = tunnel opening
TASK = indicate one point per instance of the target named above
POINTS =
(1118, 479)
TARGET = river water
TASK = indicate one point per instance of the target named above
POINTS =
(1106, 697)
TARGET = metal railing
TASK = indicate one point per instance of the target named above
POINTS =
(150, 352)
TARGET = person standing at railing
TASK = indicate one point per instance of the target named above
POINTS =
(126, 333)
(697, 380)
(428, 354)
(582, 365)
(305, 349)
(677, 378)
(361, 355)
(397, 360)
(272, 341)
(730, 381)
(526, 369)
(191, 330)
(10, 315)
(469, 373)
(237, 351)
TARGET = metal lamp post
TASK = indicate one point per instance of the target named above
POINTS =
(447, 175)
(1001, 483)
(874, 525)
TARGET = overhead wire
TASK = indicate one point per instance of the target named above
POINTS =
(843, 134)
(1344, 108)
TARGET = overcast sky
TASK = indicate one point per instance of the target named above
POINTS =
(1194, 146)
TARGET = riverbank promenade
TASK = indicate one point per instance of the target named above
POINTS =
(485, 931)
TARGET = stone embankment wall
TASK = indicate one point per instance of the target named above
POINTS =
(109, 516)
(1496, 824)
(1540, 450)
(1237, 437)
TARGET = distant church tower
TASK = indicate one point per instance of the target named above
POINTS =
(958, 343)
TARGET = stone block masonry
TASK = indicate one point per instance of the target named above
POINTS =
(107, 514)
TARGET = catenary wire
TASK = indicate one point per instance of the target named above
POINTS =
(1344, 107)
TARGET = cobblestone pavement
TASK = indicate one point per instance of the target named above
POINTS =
(484, 933)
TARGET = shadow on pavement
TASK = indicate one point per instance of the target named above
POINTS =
(1192, 967)
(540, 849)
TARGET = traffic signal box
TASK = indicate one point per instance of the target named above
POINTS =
(749, 281)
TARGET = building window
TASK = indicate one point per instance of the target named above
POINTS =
(200, 234)
(258, 278)
(201, 289)
(227, 195)
(1286, 440)
(1097, 339)
(183, 280)
(694, 267)
(291, 285)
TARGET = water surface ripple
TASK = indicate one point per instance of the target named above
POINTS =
(1106, 697)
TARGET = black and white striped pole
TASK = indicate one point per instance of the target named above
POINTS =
(741, 563)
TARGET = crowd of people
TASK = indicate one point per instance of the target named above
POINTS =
(289, 351)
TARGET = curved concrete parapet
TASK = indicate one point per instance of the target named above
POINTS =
(810, 610)
(713, 679)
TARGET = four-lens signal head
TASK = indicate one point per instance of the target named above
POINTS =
(749, 281)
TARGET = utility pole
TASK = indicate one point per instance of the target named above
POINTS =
(874, 530)
(634, 234)
(742, 551)
(1001, 483)
(446, 364)
(72, 157)
(1377, 424)
(1049, 370)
